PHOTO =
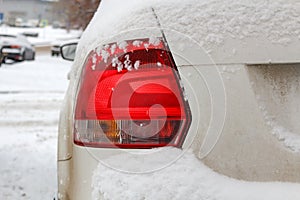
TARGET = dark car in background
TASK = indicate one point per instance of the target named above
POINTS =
(16, 48)
(1, 57)
(55, 48)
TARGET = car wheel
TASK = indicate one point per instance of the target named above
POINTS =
(23, 57)
(33, 56)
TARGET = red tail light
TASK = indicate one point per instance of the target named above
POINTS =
(15, 47)
(130, 97)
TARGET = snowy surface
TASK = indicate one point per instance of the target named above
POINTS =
(210, 23)
(277, 21)
(207, 21)
(46, 36)
(31, 94)
(186, 178)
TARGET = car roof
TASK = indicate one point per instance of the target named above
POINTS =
(15, 39)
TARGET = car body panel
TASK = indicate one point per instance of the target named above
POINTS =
(251, 153)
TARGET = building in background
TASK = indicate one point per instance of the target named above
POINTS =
(27, 12)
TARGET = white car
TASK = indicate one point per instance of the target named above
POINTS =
(16, 47)
(184, 100)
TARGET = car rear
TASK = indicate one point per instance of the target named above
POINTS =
(199, 76)
(16, 47)
(13, 52)
(55, 50)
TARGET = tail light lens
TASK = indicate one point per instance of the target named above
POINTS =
(130, 96)
(15, 47)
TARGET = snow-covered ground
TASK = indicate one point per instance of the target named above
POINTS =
(30, 97)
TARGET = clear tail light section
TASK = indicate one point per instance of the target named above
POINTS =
(130, 96)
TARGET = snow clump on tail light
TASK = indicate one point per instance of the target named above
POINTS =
(130, 97)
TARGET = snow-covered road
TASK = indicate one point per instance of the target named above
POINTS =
(30, 97)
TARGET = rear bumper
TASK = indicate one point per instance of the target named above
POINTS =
(75, 175)
(16, 57)
(18, 54)
(14, 54)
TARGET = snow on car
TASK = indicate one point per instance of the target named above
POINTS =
(184, 100)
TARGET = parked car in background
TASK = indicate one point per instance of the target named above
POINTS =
(57, 24)
(55, 48)
(30, 34)
(183, 100)
(1, 57)
(16, 48)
